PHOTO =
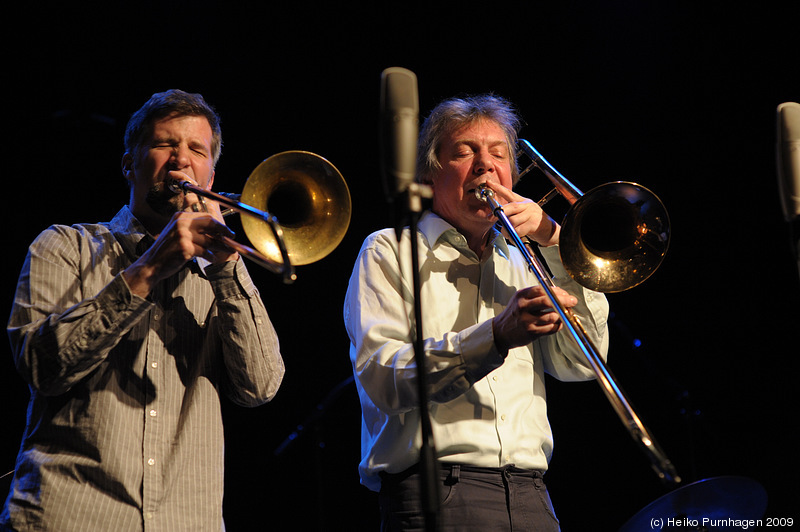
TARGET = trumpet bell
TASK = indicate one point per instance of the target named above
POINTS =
(614, 237)
(310, 199)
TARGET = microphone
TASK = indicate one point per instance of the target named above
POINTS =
(789, 159)
(399, 130)
(788, 148)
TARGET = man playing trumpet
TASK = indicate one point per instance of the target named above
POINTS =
(489, 336)
(127, 332)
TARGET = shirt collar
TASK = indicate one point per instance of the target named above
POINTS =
(130, 233)
(433, 227)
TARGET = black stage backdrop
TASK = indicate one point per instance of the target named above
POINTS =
(678, 96)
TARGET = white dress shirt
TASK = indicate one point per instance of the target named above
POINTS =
(486, 410)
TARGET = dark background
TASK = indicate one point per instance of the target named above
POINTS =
(678, 96)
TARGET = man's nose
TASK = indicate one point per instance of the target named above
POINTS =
(482, 163)
(180, 157)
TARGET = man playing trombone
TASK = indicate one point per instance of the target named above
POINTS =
(127, 332)
(489, 336)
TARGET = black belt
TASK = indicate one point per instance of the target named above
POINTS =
(454, 471)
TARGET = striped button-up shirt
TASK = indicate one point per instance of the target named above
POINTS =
(124, 428)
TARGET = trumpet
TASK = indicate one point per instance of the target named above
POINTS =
(601, 265)
(314, 204)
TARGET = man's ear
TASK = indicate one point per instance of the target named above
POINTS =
(127, 166)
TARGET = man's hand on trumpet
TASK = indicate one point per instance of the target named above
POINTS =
(529, 315)
(197, 230)
(527, 216)
(206, 226)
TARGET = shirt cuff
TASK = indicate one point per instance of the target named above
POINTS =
(479, 350)
(230, 279)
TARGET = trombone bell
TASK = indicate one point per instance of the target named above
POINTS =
(310, 199)
(614, 237)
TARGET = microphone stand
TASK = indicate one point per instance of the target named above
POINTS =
(314, 418)
(314, 422)
(412, 197)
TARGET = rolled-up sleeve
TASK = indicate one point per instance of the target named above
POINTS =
(250, 346)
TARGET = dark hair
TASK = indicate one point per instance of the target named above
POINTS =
(172, 102)
(455, 113)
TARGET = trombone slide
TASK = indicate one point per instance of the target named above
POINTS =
(661, 464)
(286, 269)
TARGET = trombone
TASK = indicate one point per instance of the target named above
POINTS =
(314, 205)
(599, 258)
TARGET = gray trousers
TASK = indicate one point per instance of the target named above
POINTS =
(471, 498)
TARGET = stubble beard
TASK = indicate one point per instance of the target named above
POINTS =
(163, 200)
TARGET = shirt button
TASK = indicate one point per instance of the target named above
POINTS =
(149, 515)
(503, 417)
(153, 413)
(151, 461)
(154, 365)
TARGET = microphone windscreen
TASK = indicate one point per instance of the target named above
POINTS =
(788, 148)
(399, 129)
